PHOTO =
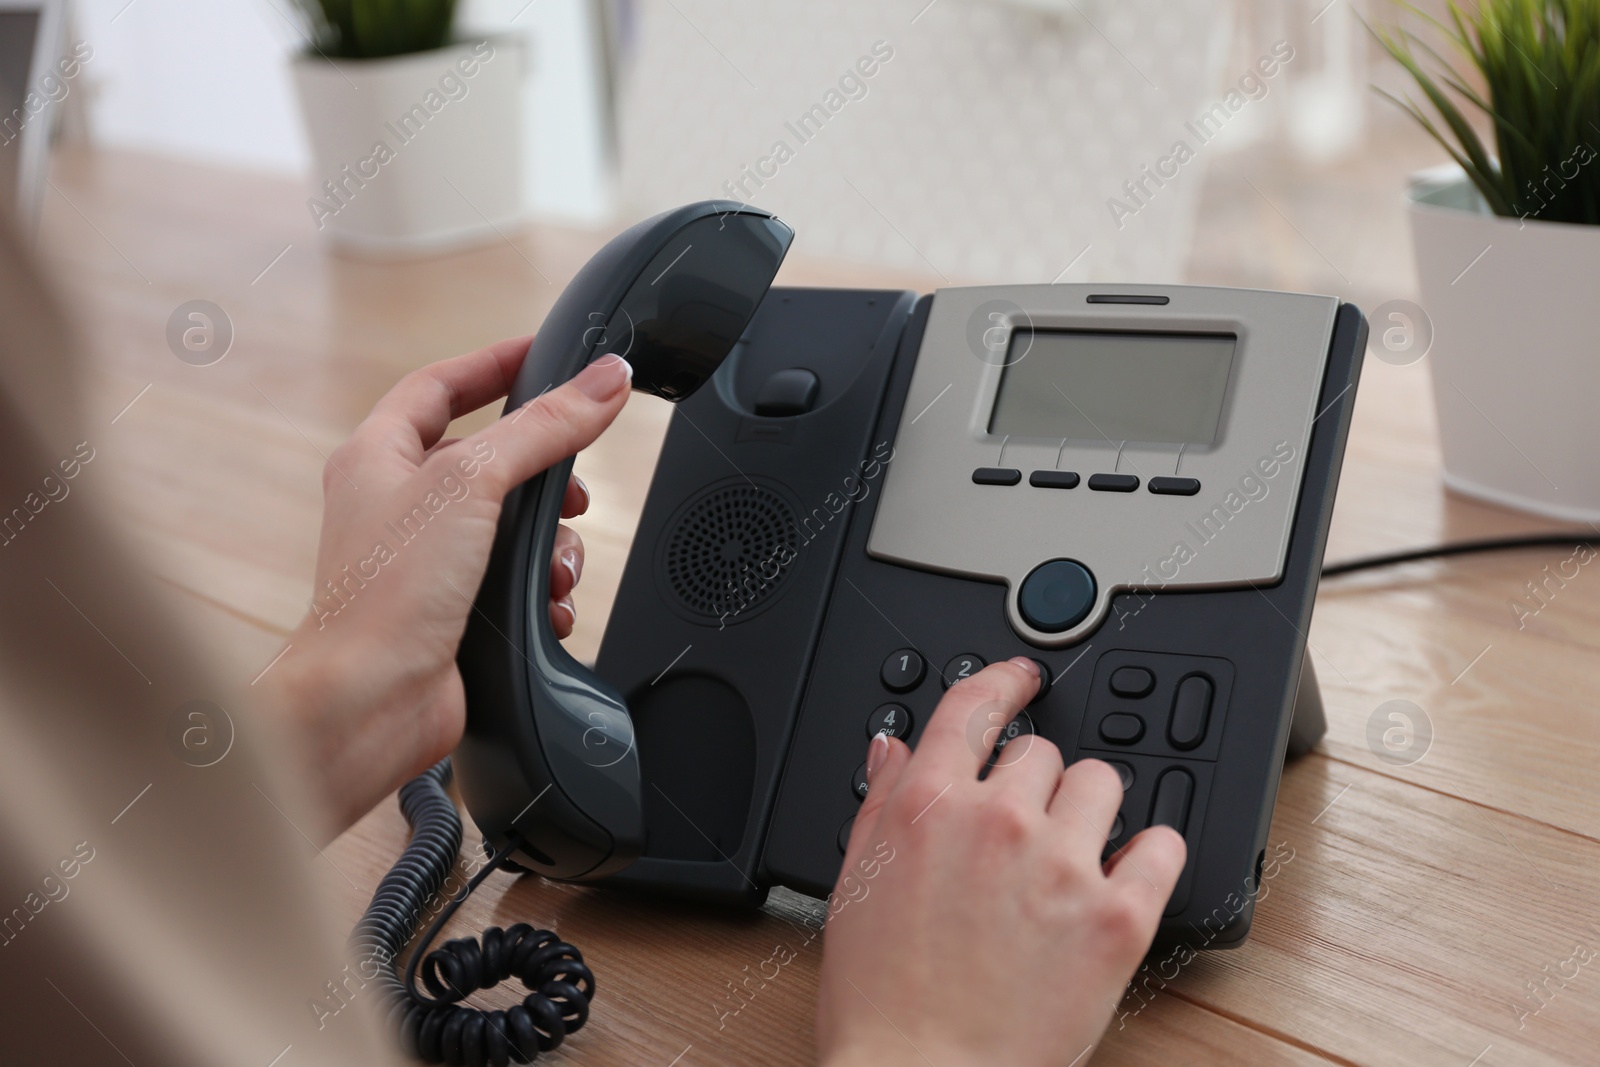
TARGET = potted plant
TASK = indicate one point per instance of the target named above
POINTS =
(415, 133)
(1507, 246)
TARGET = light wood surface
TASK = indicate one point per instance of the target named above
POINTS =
(1422, 903)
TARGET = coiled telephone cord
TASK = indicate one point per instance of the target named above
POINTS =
(438, 1028)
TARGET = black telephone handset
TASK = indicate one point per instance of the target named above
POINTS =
(548, 765)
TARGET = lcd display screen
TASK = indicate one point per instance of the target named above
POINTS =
(1157, 388)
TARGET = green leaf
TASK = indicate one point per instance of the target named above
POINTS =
(1539, 64)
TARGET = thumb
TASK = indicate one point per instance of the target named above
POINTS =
(555, 425)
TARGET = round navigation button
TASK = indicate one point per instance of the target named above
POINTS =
(1056, 596)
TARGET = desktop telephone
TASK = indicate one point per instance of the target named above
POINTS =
(865, 495)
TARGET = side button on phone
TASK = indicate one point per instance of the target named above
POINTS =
(1173, 793)
(1191, 711)
(1121, 728)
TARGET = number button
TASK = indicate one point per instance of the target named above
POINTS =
(891, 719)
(1124, 772)
(1021, 726)
(963, 666)
(903, 670)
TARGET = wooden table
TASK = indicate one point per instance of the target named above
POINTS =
(1425, 908)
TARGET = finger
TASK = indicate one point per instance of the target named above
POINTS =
(443, 443)
(952, 743)
(1086, 803)
(886, 764)
(1031, 766)
(563, 617)
(413, 415)
(566, 562)
(553, 426)
(1147, 870)
(576, 502)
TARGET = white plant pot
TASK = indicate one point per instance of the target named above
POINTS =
(417, 153)
(1516, 348)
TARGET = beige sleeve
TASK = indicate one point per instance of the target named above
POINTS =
(156, 906)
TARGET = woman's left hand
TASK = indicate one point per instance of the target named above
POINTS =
(369, 681)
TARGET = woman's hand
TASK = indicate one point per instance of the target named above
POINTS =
(369, 681)
(973, 922)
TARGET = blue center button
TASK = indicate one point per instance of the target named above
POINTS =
(1056, 596)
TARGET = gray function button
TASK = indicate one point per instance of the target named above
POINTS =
(1056, 596)
(964, 665)
(1054, 479)
(1171, 806)
(1114, 483)
(1175, 486)
(1121, 728)
(891, 719)
(1132, 681)
(903, 670)
(1191, 712)
(858, 784)
(1117, 827)
(844, 834)
(997, 476)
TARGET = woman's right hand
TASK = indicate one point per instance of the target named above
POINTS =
(973, 922)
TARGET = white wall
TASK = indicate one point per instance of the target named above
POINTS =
(208, 80)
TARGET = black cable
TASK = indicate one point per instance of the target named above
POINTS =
(1459, 548)
(436, 1028)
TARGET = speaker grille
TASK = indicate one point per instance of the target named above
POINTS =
(731, 549)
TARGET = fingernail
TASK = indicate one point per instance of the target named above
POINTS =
(877, 752)
(565, 603)
(1026, 664)
(569, 560)
(584, 489)
(604, 378)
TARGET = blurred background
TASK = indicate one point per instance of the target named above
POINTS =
(336, 216)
